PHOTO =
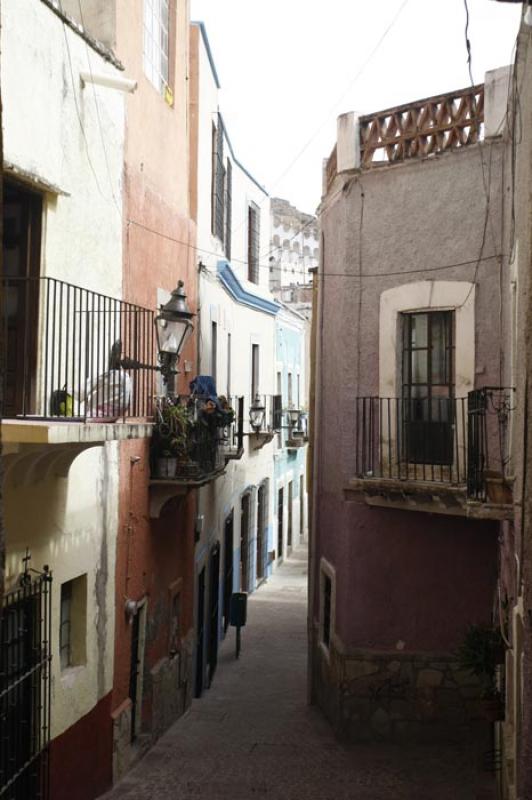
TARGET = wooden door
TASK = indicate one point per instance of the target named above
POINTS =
(21, 249)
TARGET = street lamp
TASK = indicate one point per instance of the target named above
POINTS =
(256, 414)
(293, 417)
(173, 326)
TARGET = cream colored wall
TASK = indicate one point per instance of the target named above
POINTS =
(71, 525)
(43, 105)
(68, 523)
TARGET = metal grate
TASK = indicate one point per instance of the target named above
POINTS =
(25, 687)
(66, 350)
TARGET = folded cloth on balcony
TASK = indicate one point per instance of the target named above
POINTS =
(109, 395)
(203, 386)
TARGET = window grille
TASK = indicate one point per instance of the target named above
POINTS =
(253, 243)
(156, 43)
(218, 181)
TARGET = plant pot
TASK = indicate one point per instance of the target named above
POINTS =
(166, 467)
(492, 708)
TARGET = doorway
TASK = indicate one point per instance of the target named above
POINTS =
(301, 508)
(200, 635)
(428, 389)
(136, 669)
(228, 568)
(290, 513)
(214, 606)
(262, 529)
(245, 518)
(280, 531)
(21, 250)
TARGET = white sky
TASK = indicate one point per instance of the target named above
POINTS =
(288, 68)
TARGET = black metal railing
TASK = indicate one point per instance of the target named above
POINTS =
(232, 434)
(458, 441)
(25, 689)
(272, 420)
(489, 466)
(188, 440)
(64, 348)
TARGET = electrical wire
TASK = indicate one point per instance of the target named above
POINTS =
(98, 117)
(334, 107)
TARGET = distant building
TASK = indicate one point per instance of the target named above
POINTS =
(294, 247)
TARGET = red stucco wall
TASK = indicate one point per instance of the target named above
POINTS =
(81, 758)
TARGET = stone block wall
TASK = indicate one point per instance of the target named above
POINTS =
(397, 697)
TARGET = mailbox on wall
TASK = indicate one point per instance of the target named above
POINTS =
(238, 609)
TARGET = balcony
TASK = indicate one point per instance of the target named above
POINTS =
(65, 388)
(193, 439)
(265, 419)
(297, 428)
(442, 456)
(232, 434)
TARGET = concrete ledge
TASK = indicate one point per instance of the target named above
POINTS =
(65, 431)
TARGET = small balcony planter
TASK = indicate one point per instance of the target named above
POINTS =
(170, 440)
(481, 652)
(165, 467)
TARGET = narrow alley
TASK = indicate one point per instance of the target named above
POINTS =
(252, 734)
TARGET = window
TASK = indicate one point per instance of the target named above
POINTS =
(228, 208)
(214, 350)
(218, 181)
(253, 242)
(428, 387)
(73, 622)
(255, 370)
(228, 389)
(156, 43)
(279, 394)
(290, 397)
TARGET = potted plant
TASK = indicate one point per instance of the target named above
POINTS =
(171, 439)
(480, 653)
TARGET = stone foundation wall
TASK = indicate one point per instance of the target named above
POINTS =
(168, 688)
(167, 692)
(397, 697)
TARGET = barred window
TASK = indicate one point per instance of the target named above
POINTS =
(228, 208)
(253, 242)
(156, 43)
(218, 181)
(73, 622)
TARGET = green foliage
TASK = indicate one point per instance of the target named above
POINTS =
(480, 652)
(171, 432)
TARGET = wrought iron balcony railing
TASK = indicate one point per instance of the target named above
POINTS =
(189, 442)
(64, 348)
(458, 441)
(232, 433)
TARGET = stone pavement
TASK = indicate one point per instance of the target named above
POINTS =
(252, 735)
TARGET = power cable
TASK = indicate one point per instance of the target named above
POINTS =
(334, 107)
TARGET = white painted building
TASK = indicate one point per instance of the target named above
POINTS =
(237, 348)
(64, 151)
(294, 245)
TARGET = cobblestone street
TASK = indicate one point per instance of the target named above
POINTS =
(252, 734)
